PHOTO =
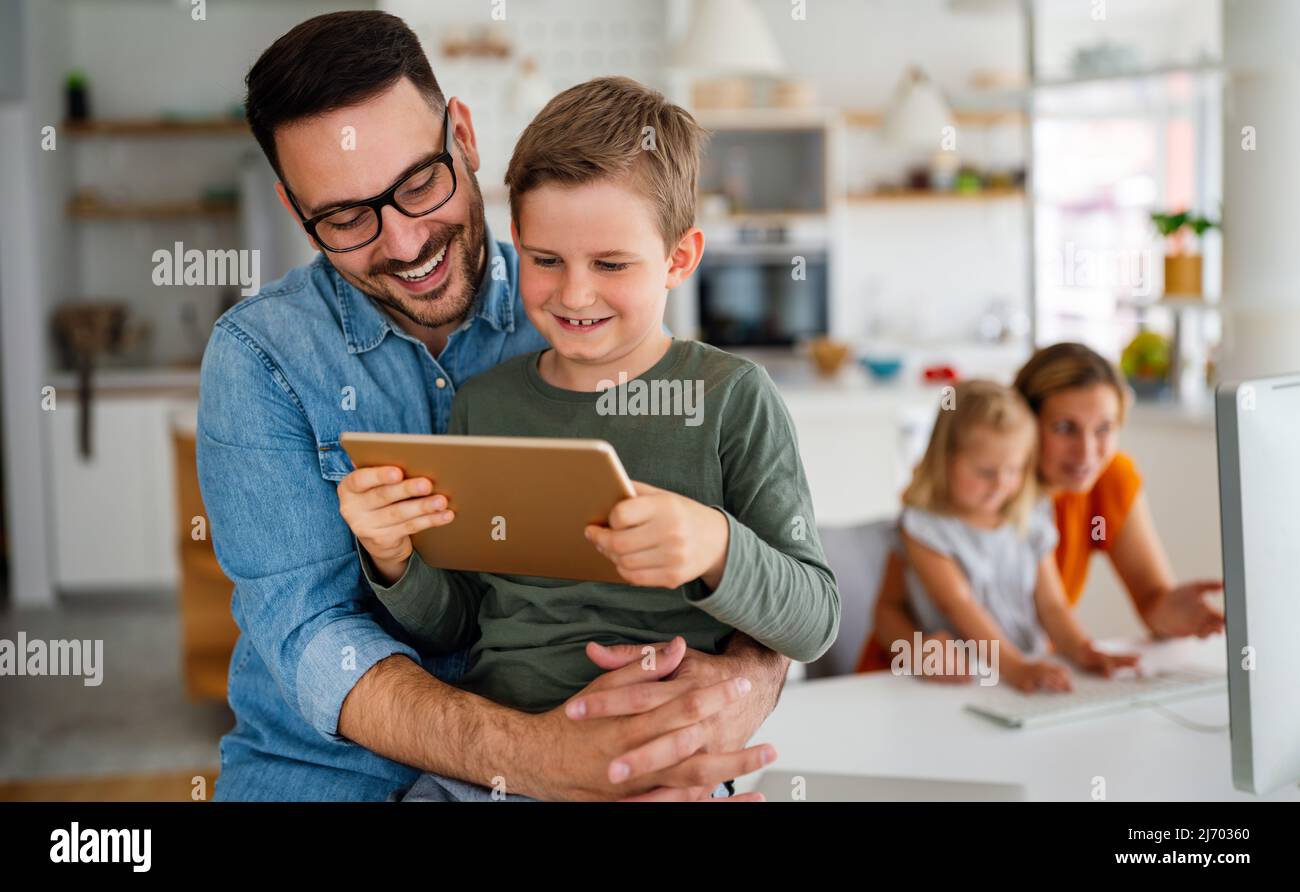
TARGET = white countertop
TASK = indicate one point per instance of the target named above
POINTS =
(881, 724)
(803, 388)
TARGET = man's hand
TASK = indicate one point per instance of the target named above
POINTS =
(642, 734)
(732, 728)
(725, 731)
(1183, 611)
(663, 539)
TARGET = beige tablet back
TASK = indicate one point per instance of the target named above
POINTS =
(521, 503)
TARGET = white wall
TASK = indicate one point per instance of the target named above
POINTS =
(570, 41)
(145, 58)
(950, 260)
(26, 274)
(48, 49)
(1157, 32)
(22, 320)
(931, 269)
(854, 51)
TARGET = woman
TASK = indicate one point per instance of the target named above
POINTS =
(1080, 401)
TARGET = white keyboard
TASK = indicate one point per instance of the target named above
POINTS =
(1093, 696)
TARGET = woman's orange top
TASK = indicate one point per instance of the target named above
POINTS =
(1091, 521)
(1086, 521)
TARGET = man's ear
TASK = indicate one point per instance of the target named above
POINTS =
(462, 127)
(685, 257)
(288, 206)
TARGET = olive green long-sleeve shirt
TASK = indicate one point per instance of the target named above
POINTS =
(723, 438)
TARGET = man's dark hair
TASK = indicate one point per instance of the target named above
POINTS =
(330, 62)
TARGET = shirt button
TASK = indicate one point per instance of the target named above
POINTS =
(441, 382)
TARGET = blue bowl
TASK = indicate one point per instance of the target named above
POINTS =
(882, 368)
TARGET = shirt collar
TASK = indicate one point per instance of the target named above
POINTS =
(365, 325)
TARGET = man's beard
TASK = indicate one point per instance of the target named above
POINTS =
(449, 302)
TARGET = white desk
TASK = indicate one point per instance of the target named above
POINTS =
(881, 724)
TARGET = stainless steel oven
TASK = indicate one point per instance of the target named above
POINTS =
(763, 295)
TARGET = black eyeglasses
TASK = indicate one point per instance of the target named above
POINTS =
(422, 191)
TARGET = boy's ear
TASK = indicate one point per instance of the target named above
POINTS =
(683, 259)
(514, 233)
(288, 206)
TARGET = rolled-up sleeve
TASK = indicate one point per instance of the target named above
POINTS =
(299, 594)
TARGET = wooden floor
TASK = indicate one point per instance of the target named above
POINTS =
(177, 786)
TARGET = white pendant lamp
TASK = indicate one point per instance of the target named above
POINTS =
(728, 37)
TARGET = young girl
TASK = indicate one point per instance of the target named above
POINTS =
(979, 542)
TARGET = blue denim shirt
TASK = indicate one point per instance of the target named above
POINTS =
(285, 372)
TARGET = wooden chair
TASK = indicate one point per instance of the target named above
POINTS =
(208, 630)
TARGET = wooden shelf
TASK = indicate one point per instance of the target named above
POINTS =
(144, 127)
(1174, 302)
(1208, 68)
(170, 210)
(966, 118)
(475, 49)
(812, 117)
(930, 195)
(766, 118)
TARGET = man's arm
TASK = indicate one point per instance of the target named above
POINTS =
(400, 710)
(299, 596)
(764, 667)
(300, 599)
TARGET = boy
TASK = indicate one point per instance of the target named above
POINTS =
(720, 535)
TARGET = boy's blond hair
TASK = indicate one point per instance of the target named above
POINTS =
(612, 128)
(976, 404)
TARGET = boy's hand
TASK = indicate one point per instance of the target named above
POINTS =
(1034, 675)
(663, 539)
(383, 510)
(1092, 660)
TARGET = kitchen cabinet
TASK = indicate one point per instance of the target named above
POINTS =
(114, 512)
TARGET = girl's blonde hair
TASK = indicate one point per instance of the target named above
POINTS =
(973, 405)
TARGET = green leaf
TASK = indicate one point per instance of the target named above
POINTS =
(1168, 224)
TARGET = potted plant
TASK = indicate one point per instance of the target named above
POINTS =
(1182, 262)
(78, 97)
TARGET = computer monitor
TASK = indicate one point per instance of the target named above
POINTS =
(1258, 424)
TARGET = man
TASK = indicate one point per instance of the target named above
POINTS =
(410, 298)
